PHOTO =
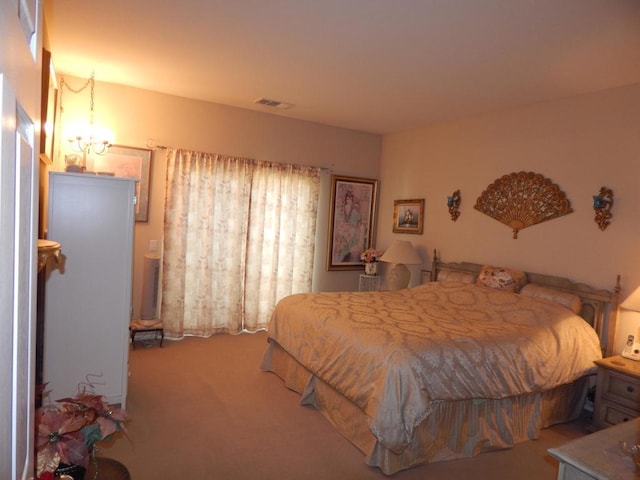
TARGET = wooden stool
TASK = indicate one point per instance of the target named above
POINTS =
(142, 326)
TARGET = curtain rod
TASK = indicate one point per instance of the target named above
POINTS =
(151, 143)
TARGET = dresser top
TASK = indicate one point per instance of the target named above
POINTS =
(599, 454)
(621, 364)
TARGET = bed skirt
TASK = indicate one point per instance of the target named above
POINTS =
(454, 429)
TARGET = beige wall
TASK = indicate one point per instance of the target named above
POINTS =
(137, 115)
(580, 143)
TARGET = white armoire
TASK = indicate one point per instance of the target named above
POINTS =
(88, 300)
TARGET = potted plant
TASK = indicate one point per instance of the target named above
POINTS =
(67, 430)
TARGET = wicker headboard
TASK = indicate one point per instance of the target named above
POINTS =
(599, 307)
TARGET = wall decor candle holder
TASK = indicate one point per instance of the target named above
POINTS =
(453, 202)
(602, 204)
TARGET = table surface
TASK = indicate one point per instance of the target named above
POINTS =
(599, 454)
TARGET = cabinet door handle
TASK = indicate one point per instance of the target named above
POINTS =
(630, 388)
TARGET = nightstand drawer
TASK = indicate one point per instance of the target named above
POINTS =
(623, 389)
(617, 391)
(613, 414)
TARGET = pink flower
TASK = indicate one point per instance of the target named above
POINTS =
(370, 255)
(66, 432)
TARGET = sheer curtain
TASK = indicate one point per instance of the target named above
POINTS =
(238, 236)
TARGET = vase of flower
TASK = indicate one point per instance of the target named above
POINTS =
(370, 258)
(370, 268)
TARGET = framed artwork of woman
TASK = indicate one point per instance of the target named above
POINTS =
(352, 215)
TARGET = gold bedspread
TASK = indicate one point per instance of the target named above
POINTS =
(393, 353)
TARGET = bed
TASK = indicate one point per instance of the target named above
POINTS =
(410, 376)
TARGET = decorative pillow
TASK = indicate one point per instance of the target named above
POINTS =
(569, 300)
(451, 276)
(501, 278)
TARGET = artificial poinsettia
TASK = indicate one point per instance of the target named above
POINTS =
(68, 430)
(59, 440)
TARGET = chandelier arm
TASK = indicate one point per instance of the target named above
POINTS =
(80, 143)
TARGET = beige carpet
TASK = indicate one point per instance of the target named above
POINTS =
(203, 409)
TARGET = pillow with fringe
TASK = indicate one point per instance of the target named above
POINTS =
(569, 300)
(451, 276)
(501, 278)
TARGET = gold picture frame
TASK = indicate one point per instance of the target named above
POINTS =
(48, 107)
(130, 162)
(408, 216)
(352, 221)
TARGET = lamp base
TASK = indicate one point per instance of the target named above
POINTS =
(398, 277)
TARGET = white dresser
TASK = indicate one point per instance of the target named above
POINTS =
(88, 301)
(598, 456)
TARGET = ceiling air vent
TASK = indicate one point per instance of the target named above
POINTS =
(273, 103)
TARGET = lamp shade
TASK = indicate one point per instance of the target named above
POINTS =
(401, 251)
(632, 302)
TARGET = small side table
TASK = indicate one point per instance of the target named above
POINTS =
(369, 283)
(146, 326)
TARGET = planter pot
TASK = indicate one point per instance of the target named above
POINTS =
(371, 268)
(73, 472)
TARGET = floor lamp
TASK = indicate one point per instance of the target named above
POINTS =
(401, 253)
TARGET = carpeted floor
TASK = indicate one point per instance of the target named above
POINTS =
(203, 409)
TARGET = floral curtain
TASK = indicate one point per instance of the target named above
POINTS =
(238, 236)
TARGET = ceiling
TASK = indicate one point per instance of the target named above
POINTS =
(379, 66)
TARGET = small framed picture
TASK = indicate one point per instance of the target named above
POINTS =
(408, 216)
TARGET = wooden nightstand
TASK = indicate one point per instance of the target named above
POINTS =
(617, 391)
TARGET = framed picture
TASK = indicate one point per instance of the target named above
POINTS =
(408, 216)
(353, 204)
(130, 162)
(48, 106)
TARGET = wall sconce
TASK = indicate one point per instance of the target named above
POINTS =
(453, 202)
(86, 139)
(602, 204)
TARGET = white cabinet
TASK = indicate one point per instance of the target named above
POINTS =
(88, 301)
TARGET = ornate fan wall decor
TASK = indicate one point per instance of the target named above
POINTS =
(522, 199)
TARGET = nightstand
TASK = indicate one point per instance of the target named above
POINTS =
(369, 283)
(617, 391)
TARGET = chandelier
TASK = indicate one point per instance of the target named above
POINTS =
(83, 138)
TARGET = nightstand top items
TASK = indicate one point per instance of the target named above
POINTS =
(621, 364)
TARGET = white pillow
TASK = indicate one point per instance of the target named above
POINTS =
(569, 300)
(451, 276)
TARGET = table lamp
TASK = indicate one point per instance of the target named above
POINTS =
(632, 302)
(401, 253)
(632, 347)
